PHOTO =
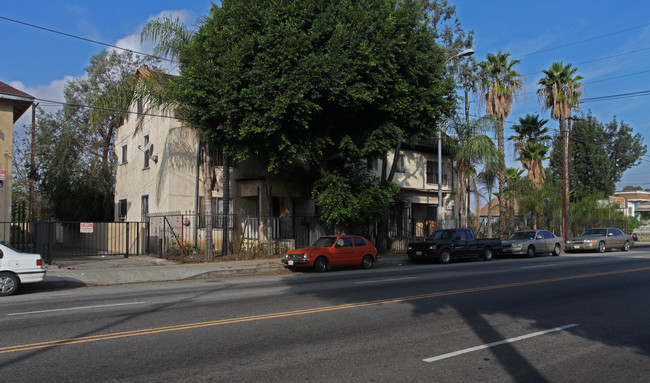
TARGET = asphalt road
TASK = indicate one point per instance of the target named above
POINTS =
(573, 318)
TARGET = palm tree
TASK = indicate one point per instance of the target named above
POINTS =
(500, 84)
(488, 178)
(531, 157)
(560, 91)
(493, 166)
(473, 147)
(530, 142)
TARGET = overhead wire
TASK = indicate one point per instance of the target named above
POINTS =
(85, 39)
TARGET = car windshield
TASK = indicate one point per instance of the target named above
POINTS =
(594, 232)
(441, 235)
(523, 235)
(324, 242)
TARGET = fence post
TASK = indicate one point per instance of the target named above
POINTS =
(126, 254)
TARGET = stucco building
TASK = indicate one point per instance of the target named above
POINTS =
(13, 104)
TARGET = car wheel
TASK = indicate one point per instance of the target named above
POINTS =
(320, 264)
(601, 247)
(8, 284)
(445, 257)
(530, 252)
(626, 246)
(487, 254)
(367, 262)
(557, 250)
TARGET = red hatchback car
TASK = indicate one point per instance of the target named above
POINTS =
(333, 250)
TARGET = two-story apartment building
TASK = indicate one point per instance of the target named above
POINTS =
(160, 170)
(13, 104)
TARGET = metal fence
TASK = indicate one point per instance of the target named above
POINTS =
(184, 235)
(56, 239)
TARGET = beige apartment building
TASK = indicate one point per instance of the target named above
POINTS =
(13, 104)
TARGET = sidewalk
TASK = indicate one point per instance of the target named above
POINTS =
(113, 270)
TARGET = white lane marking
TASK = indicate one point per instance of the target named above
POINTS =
(386, 280)
(511, 340)
(77, 308)
(546, 265)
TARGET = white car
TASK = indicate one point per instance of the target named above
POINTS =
(17, 268)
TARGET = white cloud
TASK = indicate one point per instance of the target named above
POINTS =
(45, 95)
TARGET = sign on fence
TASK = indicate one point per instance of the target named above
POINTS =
(86, 227)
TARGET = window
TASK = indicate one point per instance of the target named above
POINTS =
(145, 144)
(358, 242)
(145, 208)
(432, 173)
(461, 236)
(373, 164)
(122, 208)
(400, 164)
(124, 154)
(344, 242)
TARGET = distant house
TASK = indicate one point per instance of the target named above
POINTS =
(159, 171)
(13, 104)
(633, 203)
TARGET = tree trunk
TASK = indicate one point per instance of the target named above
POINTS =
(225, 245)
(503, 209)
(207, 198)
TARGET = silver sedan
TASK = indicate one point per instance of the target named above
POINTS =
(531, 242)
(600, 239)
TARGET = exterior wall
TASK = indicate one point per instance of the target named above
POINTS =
(6, 153)
(170, 182)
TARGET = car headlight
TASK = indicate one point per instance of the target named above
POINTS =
(517, 245)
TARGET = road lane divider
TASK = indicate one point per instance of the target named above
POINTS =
(484, 346)
(315, 310)
(76, 308)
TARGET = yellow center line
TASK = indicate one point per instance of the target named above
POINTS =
(188, 326)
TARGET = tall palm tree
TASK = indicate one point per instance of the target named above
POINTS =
(488, 178)
(473, 147)
(493, 166)
(170, 35)
(560, 91)
(500, 84)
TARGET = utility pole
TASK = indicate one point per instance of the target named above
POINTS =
(31, 163)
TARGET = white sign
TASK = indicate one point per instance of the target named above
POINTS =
(86, 227)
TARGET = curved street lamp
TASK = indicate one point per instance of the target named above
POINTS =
(465, 53)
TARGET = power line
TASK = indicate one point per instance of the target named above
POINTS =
(585, 40)
(105, 109)
(85, 39)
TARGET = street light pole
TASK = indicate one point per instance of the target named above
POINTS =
(465, 53)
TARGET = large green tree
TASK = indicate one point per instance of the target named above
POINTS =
(314, 84)
(500, 84)
(530, 144)
(74, 151)
(599, 155)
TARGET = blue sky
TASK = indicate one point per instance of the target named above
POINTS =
(608, 41)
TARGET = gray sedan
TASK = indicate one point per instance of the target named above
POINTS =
(531, 242)
(600, 239)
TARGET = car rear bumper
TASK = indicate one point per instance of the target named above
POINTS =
(31, 276)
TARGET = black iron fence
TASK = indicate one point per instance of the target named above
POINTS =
(68, 239)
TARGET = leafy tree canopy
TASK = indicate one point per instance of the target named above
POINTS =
(316, 84)
(600, 153)
(74, 152)
(299, 82)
